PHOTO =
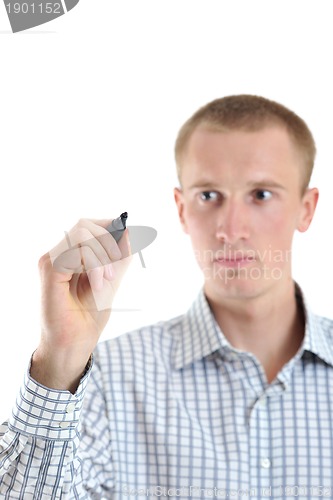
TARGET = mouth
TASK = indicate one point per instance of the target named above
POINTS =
(235, 262)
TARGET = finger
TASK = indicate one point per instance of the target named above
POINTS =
(124, 242)
(105, 239)
(118, 270)
(105, 247)
(82, 293)
(97, 288)
(67, 256)
(68, 262)
(98, 239)
(124, 245)
(81, 258)
(95, 277)
(89, 259)
(109, 273)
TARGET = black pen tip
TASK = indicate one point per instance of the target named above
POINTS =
(124, 215)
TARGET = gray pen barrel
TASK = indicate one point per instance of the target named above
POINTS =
(118, 226)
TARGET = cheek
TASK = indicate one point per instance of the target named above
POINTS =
(274, 240)
(200, 230)
(199, 236)
(274, 226)
(277, 225)
(196, 222)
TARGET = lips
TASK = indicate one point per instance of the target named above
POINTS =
(236, 261)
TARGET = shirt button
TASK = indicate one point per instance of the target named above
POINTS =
(70, 407)
(263, 401)
(265, 463)
(64, 425)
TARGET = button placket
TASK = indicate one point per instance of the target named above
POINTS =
(260, 442)
(262, 401)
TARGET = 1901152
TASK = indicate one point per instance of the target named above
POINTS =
(34, 8)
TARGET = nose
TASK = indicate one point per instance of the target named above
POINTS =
(233, 221)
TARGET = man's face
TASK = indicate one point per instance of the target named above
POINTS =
(240, 202)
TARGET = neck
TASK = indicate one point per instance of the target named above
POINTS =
(270, 326)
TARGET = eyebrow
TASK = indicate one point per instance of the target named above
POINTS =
(266, 183)
(203, 184)
(258, 183)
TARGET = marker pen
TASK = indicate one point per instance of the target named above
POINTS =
(118, 226)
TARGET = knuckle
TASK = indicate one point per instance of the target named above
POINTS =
(82, 222)
(86, 252)
(117, 254)
(87, 257)
(82, 234)
(43, 262)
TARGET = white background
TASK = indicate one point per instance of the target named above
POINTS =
(90, 105)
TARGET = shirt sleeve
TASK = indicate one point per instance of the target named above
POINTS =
(56, 444)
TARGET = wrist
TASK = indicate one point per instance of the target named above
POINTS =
(58, 372)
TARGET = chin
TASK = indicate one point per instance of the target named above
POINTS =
(236, 288)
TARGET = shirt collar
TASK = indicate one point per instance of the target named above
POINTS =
(197, 334)
(318, 332)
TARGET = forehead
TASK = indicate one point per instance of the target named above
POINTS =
(269, 151)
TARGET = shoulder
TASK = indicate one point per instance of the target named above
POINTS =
(325, 325)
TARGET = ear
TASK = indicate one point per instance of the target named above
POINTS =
(309, 203)
(179, 199)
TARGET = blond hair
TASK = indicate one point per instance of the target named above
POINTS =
(250, 113)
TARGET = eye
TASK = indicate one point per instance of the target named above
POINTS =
(262, 195)
(209, 196)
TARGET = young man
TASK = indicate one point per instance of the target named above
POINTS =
(231, 399)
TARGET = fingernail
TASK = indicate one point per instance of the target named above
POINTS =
(109, 272)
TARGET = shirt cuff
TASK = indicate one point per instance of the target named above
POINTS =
(47, 413)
